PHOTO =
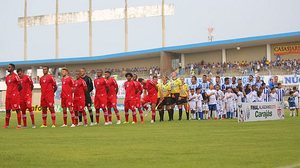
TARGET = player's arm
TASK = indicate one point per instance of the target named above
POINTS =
(116, 86)
(54, 84)
(31, 83)
(135, 88)
(85, 87)
(106, 86)
(89, 84)
(19, 83)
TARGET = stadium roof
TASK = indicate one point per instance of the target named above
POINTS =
(189, 48)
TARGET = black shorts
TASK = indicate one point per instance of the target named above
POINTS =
(167, 101)
(88, 101)
(182, 100)
(176, 97)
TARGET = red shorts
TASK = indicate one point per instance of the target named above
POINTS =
(66, 102)
(78, 104)
(12, 102)
(112, 101)
(129, 104)
(47, 101)
(100, 102)
(138, 103)
(150, 99)
(26, 103)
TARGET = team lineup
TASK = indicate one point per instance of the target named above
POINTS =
(203, 100)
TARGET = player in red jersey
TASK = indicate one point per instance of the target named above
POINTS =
(112, 97)
(26, 97)
(138, 103)
(67, 96)
(130, 94)
(12, 100)
(48, 88)
(100, 100)
(150, 95)
(80, 89)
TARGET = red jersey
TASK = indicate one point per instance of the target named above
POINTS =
(12, 82)
(139, 88)
(26, 86)
(113, 85)
(67, 87)
(101, 85)
(130, 89)
(48, 84)
(151, 88)
(80, 88)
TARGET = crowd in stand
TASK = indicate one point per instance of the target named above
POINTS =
(243, 67)
(238, 68)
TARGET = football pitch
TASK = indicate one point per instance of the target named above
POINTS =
(222, 143)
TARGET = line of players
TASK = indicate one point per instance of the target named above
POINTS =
(219, 101)
(76, 95)
(205, 100)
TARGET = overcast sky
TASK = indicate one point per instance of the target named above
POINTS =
(230, 18)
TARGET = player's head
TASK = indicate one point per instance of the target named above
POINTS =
(78, 75)
(259, 92)
(229, 90)
(192, 91)
(141, 80)
(182, 79)
(250, 77)
(211, 86)
(194, 79)
(99, 73)
(294, 88)
(273, 90)
(258, 78)
(233, 79)
(204, 78)
(135, 77)
(263, 85)
(107, 74)
(45, 70)
(11, 68)
(82, 72)
(236, 89)
(217, 87)
(20, 72)
(253, 87)
(279, 85)
(240, 81)
(198, 90)
(155, 78)
(226, 80)
(128, 76)
(64, 72)
(174, 75)
(291, 92)
(164, 78)
(218, 79)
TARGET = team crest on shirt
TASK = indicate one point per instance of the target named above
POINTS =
(69, 103)
(50, 104)
(44, 80)
(15, 105)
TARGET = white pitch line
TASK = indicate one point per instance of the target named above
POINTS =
(291, 166)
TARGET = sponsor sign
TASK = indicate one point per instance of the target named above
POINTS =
(261, 111)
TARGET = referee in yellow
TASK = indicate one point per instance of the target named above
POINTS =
(176, 86)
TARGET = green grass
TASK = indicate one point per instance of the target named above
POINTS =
(169, 144)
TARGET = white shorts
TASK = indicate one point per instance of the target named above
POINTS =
(205, 107)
